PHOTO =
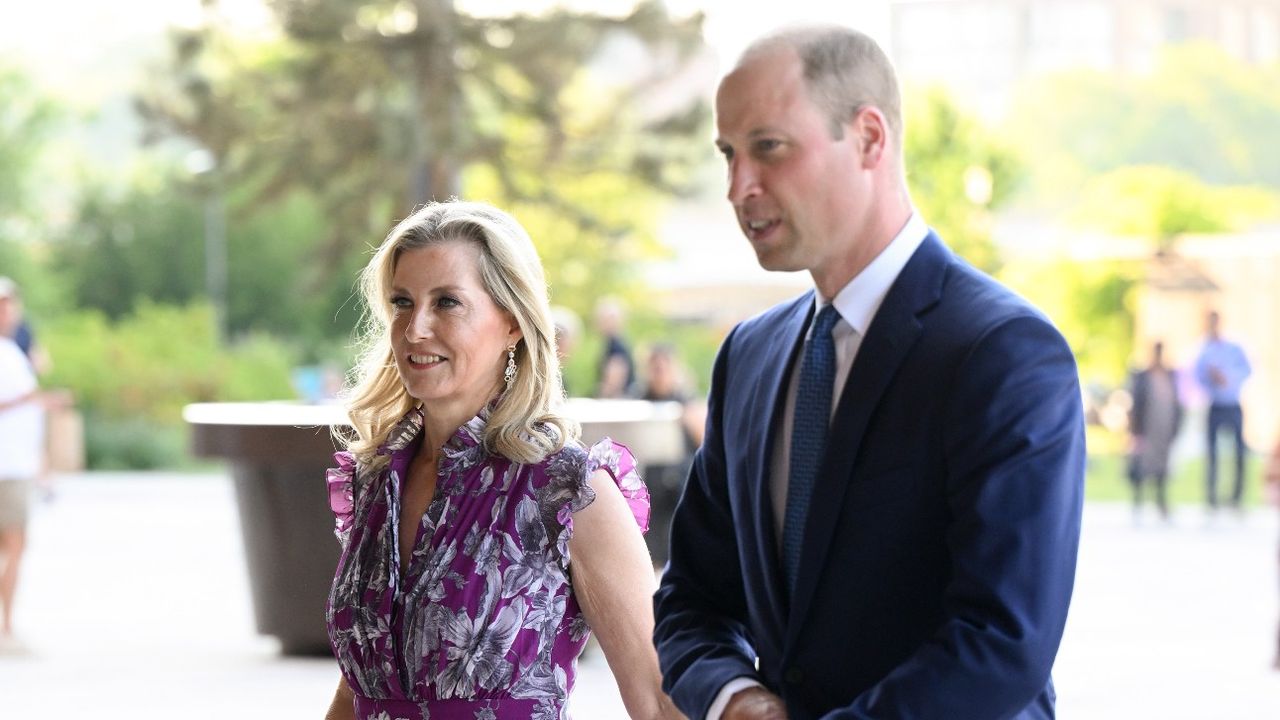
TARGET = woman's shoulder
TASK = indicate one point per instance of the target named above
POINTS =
(570, 461)
(578, 459)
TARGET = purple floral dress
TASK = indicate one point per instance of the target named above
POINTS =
(483, 623)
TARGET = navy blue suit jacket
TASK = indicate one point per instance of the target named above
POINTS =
(940, 547)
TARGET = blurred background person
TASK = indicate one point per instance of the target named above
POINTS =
(1154, 420)
(1221, 369)
(665, 380)
(1272, 476)
(568, 333)
(21, 457)
(616, 372)
(23, 335)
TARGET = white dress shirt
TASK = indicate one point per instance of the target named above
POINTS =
(857, 303)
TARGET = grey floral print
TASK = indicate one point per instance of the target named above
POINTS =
(485, 625)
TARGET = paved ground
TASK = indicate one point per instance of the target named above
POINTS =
(135, 604)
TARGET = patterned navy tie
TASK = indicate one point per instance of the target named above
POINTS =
(808, 435)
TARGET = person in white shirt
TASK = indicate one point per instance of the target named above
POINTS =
(21, 457)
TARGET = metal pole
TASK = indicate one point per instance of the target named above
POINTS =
(215, 258)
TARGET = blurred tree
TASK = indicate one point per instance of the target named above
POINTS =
(1199, 111)
(28, 119)
(141, 240)
(132, 376)
(1092, 305)
(1093, 302)
(1186, 148)
(1162, 204)
(132, 241)
(368, 108)
(958, 173)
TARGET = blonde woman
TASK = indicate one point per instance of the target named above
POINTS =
(481, 542)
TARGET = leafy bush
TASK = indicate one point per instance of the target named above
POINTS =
(132, 378)
(134, 444)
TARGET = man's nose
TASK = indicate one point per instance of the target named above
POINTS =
(744, 180)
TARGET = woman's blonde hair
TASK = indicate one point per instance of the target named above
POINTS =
(525, 425)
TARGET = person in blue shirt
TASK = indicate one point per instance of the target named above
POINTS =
(1221, 369)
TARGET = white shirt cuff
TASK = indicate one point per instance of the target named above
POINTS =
(731, 688)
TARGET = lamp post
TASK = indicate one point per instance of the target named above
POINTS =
(204, 167)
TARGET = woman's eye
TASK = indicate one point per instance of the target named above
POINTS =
(401, 302)
(447, 302)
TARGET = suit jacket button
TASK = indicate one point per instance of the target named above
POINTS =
(793, 676)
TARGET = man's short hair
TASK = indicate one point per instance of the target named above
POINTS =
(844, 70)
(8, 288)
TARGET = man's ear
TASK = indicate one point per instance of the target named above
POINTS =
(871, 130)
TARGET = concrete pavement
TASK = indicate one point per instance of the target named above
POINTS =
(135, 604)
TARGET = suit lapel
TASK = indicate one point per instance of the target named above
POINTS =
(890, 337)
(775, 376)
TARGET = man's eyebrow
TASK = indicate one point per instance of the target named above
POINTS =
(754, 134)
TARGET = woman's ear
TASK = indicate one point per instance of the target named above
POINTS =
(514, 334)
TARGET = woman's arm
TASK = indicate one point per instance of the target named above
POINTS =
(343, 706)
(613, 580)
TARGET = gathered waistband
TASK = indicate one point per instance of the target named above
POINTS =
(454, 709)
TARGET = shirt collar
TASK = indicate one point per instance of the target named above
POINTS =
(463, 449)
(858, 301)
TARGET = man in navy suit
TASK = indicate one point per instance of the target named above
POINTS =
(900, 543)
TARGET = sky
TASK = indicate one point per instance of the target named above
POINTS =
(89, 48)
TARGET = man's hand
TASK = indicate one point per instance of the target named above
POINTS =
(755, 704)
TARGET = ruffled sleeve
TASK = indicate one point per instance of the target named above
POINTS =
(570, 487)
(341, 481)
(617, 459)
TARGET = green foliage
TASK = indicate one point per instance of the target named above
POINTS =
(27, 118)
(1091, 303)
(28, 121)
(1162, 203)
(134, 444)
(277, 285)
(323, 136)
(149, 364)
(1186, 148)
(1105, 481)
(132, 377)
(133, 243)
(1200, 111)
(958, 172)
(144, 241)
(365, 109)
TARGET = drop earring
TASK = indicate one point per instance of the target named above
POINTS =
(509, 373)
